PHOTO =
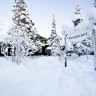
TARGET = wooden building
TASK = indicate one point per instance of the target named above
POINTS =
(43, 50)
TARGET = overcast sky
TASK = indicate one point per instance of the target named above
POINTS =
(41, 12)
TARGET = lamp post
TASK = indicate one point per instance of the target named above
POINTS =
(65, 29)
(65, 36)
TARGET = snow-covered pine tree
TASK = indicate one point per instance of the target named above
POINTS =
(88, 45)
(92, 19)
(54, 39)
(77, 18)
(21, 17)
(82, 46)
(22, 35)
(89, 41)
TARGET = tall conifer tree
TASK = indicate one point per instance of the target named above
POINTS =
(77, 18)
(54, 39)
(22, 36)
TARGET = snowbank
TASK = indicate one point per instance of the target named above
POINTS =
(47, 76)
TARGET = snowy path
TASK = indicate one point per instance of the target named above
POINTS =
(46, 76)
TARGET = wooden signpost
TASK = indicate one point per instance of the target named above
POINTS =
(78, 36)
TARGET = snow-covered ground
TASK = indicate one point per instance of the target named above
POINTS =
(47, 76)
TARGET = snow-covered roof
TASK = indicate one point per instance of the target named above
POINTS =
(80, 32)
(49, 47)
(42, 37)
(76, 17)
(80, 27)
(83, 25)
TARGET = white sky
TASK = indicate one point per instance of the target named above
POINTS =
(41, 12)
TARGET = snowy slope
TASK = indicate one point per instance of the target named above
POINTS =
(47, 76)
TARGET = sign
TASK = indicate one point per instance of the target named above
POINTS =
(78, 36)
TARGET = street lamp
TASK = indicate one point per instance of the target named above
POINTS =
(65, 37)
(65, 29)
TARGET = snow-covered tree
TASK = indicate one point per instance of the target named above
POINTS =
(22, 36)
(77, 18)
(21, 17)
(89, 42)
(81, 24)
(83, 46)
(88, 45)
(54, 40)
(92, 19)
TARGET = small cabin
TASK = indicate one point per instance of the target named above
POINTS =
(43, 50)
